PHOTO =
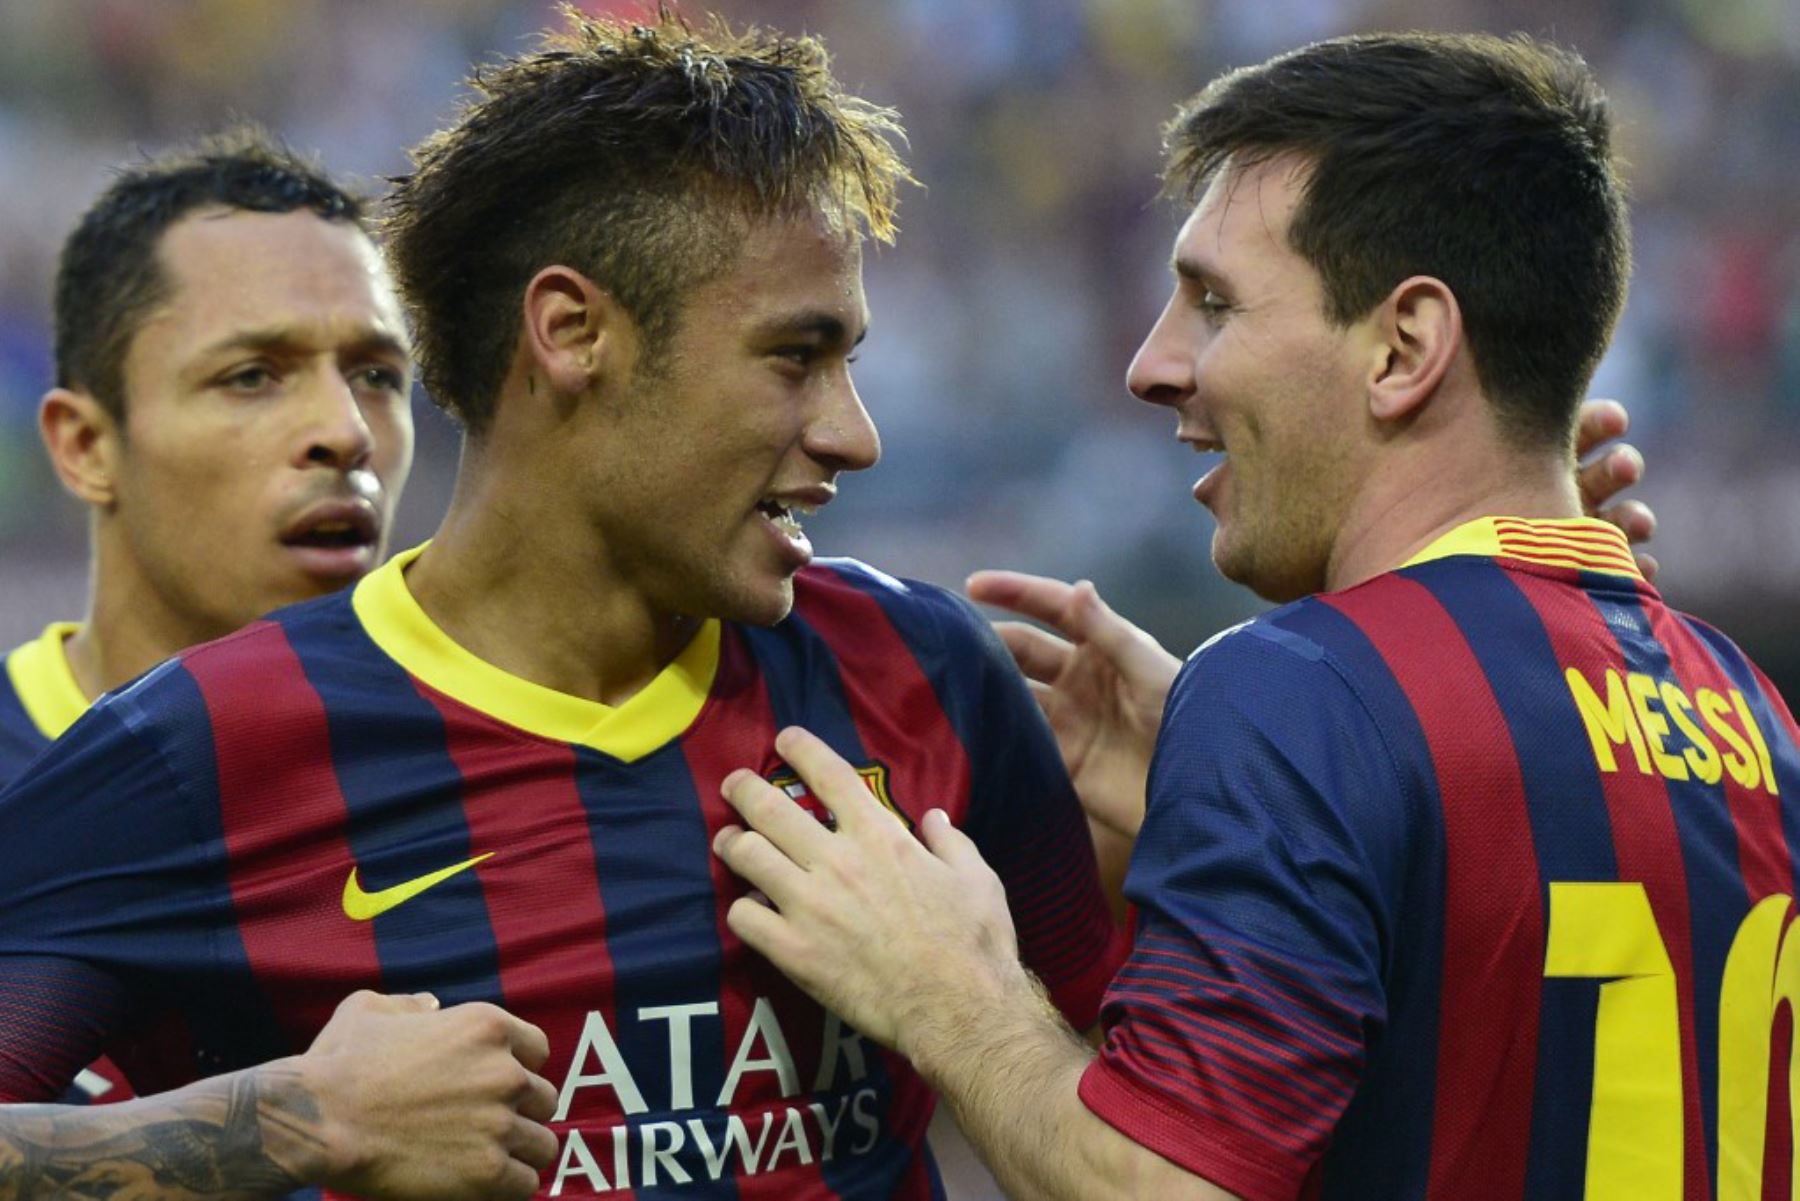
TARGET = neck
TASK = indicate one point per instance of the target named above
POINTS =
(1418, 493)
(549, 608)
(129, 627)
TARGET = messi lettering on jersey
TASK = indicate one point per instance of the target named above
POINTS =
(1634, 710)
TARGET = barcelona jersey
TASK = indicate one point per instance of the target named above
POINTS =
(39, 699)
(340, 797)
(1473, 881)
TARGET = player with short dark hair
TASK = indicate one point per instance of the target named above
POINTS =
(491, 771)
(206, 512)
(231, 402)
(1469, 872)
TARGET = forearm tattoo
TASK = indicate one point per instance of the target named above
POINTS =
(239, 1136)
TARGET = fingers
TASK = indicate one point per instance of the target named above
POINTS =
(1040, 655)
(759, 862)
(1617, 469)
(830, 778)
(537, 1100)
(763, 930)
(531, 1143)
(773, 814)
(528, 1043)
(365, 1001)
(948, 843)
(1600, 421)
(1037, 597)
(1634, 517)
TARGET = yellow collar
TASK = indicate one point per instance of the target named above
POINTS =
(651, 719)
(1580, 542)
(41, 675)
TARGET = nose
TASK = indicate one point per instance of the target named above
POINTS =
(337, 433)
(1162, 371)
(842, 435)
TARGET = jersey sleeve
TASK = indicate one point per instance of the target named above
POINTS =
(1235, 1034)
(99, 897)
(1028, 824)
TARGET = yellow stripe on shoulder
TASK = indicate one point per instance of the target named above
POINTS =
(1583, 543)
(39, 672)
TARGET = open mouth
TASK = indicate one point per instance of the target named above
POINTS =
(335, 539)
(785, 516)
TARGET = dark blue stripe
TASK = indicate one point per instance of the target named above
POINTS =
(654, 859)
(403, 796)
(1385, 1133)
(1570, 829)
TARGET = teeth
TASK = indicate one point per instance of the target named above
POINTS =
(787, 524)
(332, 527)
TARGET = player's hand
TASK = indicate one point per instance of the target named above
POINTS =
(889, 932)
(421, 1102)
(1101, 684)
(1604, 475)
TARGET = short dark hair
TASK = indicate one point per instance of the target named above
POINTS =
(109, 274)
(633, 153)
(1484, 162)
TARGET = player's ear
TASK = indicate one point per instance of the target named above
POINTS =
(1418, 334)
(84, 442)
(574, 331)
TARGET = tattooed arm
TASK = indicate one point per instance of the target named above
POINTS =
(395, 1099)
(254, 1133)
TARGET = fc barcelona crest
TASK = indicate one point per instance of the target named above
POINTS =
(874, 778)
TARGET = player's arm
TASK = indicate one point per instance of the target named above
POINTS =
(395, 1099)
(966, 1012)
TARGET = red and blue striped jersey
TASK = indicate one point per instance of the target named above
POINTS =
(1471, 881)
(340, 797)
(39, 699)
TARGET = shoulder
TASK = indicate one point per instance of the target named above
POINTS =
(849, 596)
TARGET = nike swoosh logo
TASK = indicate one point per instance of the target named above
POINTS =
(360, 906)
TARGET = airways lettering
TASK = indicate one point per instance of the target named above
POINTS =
(1663, 730)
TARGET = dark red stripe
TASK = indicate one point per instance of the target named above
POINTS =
(1646, 842)
(891, 701)
(287, 848)
(520, 801)
(737, 729)
(1493, 908)
(1763, 856)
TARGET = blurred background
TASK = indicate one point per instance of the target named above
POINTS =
(1028, 268)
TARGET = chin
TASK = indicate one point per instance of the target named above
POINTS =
(762, 603)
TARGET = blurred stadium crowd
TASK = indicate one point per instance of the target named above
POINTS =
(1029, 265)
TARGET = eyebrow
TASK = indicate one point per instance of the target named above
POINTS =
(1196, 272)
(827, 327)
(275, 338)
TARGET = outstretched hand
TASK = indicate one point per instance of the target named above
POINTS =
(1100, 681)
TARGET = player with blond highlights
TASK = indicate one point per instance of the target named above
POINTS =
(491, 771)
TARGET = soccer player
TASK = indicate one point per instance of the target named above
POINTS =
(491, 771)
(232, 405)
(1467, 873)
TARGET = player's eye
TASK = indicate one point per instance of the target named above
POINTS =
(799, 355)
(384, 379)
(1214, 306)
(257, 377)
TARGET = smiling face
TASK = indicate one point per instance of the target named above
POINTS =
(703, 464)
(1245, 355)
(267, 428)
